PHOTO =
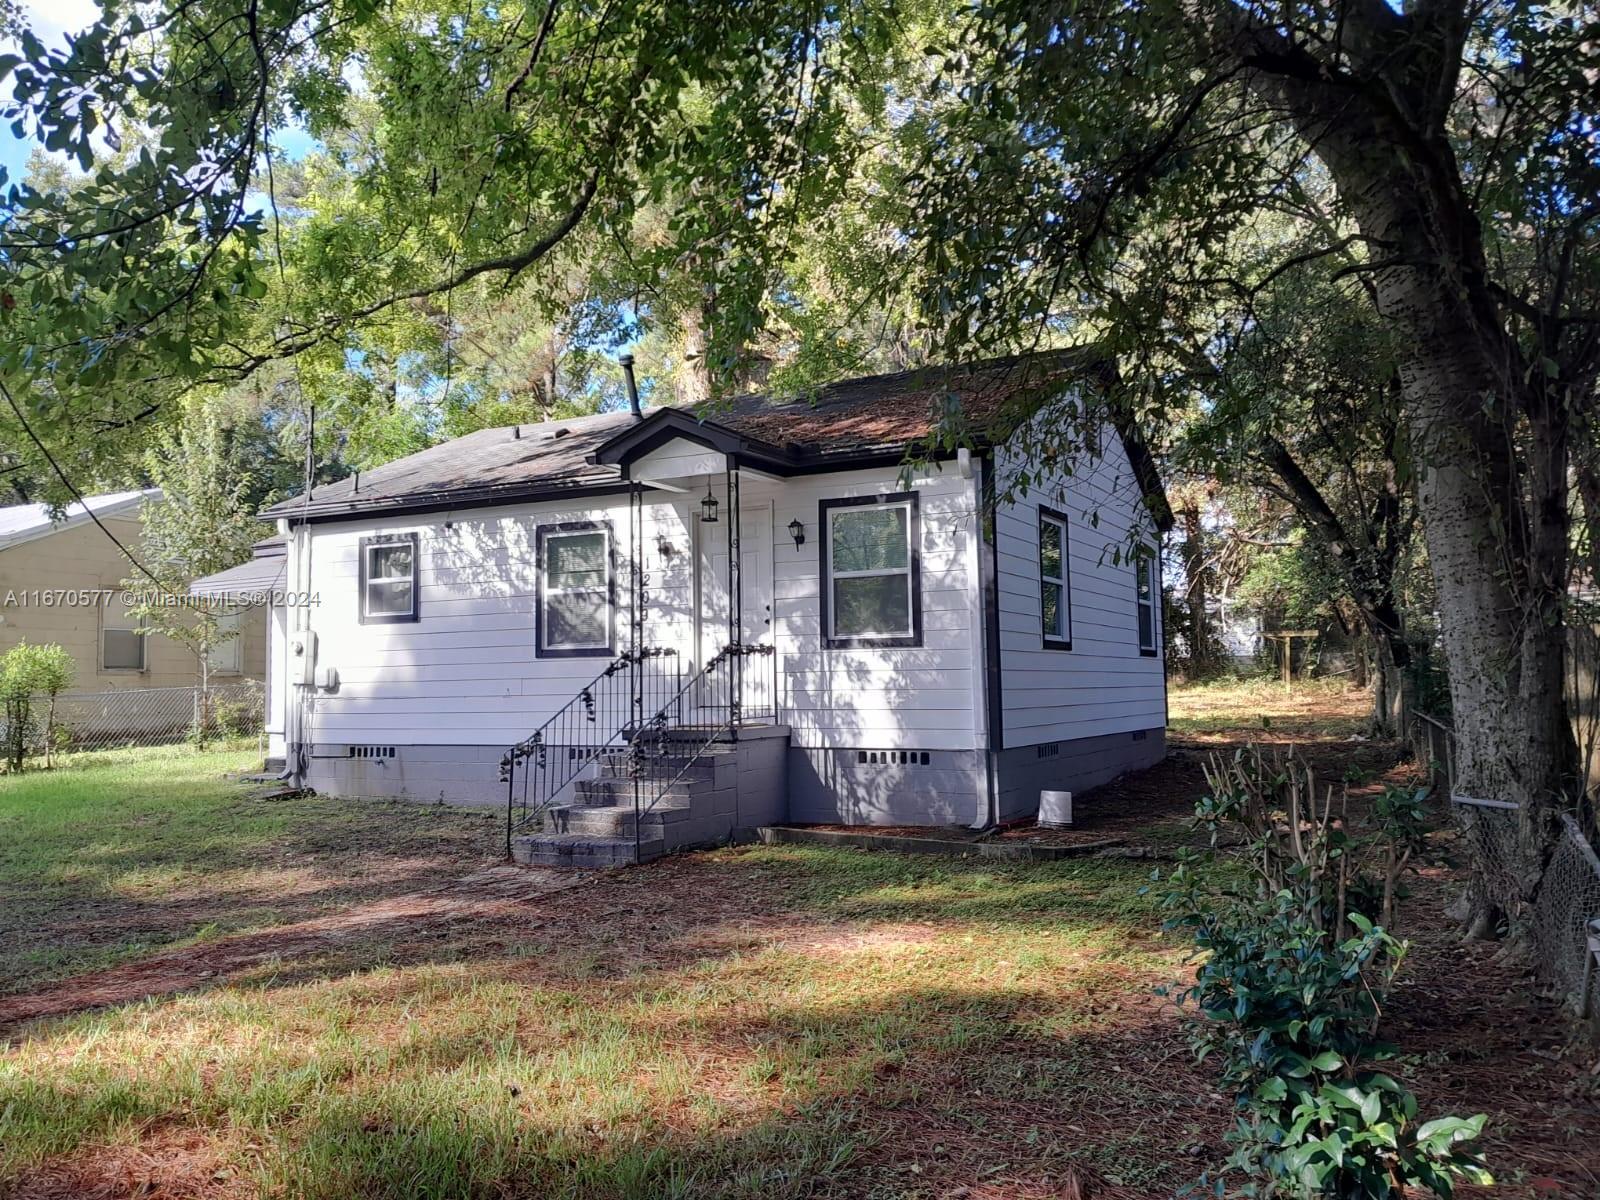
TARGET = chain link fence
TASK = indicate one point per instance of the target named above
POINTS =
(1566, 916)
(150, 717)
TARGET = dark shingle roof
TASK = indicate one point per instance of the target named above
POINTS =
(894, 411)
(877, 415)
(551, 456)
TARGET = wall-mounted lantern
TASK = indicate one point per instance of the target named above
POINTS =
(665, 549)
(708, 507)
(798, 532)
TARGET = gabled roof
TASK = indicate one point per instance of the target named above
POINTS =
(858, 422)
(23, 522)
(893, 412)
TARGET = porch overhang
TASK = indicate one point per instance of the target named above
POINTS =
(667, 425)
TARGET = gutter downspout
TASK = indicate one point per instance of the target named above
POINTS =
(989, 634)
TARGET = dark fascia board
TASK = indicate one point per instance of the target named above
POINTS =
(668, 424)
(429, 502)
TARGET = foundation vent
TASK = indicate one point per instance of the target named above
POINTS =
(1048, 750)
(1139, 735)
(371, 751)
(893, 758)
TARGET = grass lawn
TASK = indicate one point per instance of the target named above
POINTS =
(208, 995)
(759, 1022)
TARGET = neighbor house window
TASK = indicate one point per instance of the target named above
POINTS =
(224, 657)
(389, 579)
(122, 646)
(870, 586)
(1144, 571)
(576, 590)
(1055, 598)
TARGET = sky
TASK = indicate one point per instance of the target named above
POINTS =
(52, 21)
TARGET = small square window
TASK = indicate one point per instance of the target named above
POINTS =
(389, 579)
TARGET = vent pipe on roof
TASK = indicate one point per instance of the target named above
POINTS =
(625, 361)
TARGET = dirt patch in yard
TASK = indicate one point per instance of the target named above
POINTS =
(489, 896)
(166, 1163)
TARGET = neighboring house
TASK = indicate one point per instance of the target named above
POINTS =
(778, 617)
(61, 581)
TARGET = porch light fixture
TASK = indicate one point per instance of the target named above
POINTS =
(798, 532)
(708, 507)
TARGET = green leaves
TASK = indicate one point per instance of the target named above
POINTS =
(1293, 982)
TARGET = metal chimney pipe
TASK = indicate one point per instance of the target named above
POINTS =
(626, 362)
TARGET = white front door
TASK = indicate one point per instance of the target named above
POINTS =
(755, 587)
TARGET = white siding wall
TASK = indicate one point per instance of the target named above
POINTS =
(1103, 684)
(466, 672)
(888, 698)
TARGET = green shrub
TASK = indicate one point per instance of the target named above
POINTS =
(28, 672)
(1294, 969)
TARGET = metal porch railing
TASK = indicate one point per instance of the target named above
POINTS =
(681, 733)
(601, 717)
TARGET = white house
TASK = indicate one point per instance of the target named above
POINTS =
(645, 631)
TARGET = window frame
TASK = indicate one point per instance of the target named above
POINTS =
(1048, 640)
(377, 541)
(541, 538)
(141, 639)
(237, 640)
(1145, 559)
(913, 570)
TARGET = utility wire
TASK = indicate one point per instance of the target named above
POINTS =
(76, 494)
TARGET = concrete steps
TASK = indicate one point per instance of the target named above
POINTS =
(581, 850)
(692, 799)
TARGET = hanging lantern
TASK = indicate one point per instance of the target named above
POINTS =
(708, 506)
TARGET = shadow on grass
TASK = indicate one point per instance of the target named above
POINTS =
(920, 1092)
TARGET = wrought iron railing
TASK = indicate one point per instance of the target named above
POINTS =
(679, 735)
(603, 716)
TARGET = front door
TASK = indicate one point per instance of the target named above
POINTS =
(755, 586)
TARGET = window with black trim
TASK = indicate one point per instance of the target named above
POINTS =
(1145, 592)
(389, 579)
(577, 588)
(871, 567)
(1055, 593)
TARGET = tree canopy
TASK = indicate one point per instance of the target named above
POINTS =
(1351, 244)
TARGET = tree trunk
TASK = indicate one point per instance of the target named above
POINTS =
(694, 379)
(1202, 659)
(1495, 523)
(1493, 553)
(1391, 689)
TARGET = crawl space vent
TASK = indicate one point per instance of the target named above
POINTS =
(893, 758)
(371, 751)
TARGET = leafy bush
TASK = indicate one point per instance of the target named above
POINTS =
(26, 673)
(1294, 972)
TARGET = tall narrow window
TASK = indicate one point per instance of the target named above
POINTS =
(576, 590)
(1055, 594)
(1144, 568)
(870, 586)
(223, 656)
(389, 579)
